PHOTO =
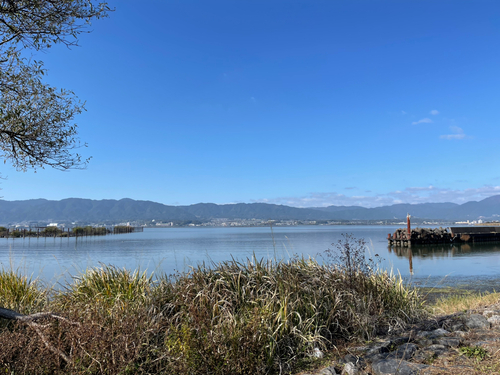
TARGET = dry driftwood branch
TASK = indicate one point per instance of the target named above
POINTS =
(30, 321)
(14, 315)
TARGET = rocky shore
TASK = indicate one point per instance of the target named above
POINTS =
(451, 344)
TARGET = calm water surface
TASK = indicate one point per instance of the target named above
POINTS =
(166, 250)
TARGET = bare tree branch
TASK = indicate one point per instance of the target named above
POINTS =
(30, 321)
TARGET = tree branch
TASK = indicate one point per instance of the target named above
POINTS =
(30, 321)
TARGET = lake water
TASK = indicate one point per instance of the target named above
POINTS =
(165, 250)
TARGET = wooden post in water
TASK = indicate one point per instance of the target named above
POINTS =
(408, 228)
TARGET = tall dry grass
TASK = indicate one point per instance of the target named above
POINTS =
(21, 293)
(462, 302)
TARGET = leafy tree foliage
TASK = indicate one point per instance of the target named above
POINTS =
(36, 128)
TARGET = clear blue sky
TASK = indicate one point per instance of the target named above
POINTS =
(304, 103)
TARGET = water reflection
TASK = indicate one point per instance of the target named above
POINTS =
(410, 257)
(441, 252)
(445, 251)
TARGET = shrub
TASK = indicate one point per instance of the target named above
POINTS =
(276, 313)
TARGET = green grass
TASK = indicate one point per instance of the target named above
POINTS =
(250, 317)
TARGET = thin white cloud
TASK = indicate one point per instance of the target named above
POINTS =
(458, 133)
(423, 121)
(403, 112)
(421, 188)
(434, 112)
(412, 195)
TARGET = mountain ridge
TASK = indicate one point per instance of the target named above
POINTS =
(126, 209)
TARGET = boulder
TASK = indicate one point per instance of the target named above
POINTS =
(477, 321)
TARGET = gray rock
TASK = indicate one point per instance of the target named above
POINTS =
(425, 342)
(451, 342)
(477, 321)
(378, 351)
(460, 326)
(396, 367)
(494, 320)
(440, 332)
(405, 352)
(353, 364)
(448, 324)
(424, 355)
(354, 359)
(483, 343)
(437, 349)
(350, 369)
(490, 313)
(399, 340)
(432, 334)
(460, 333)
(375, 357)
(328, 371)
(382, 347)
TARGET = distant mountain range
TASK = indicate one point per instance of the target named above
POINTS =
(94, 211)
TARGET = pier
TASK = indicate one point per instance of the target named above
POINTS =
(405, 237)
(68, 232)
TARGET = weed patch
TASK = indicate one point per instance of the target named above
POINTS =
(475, 352)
